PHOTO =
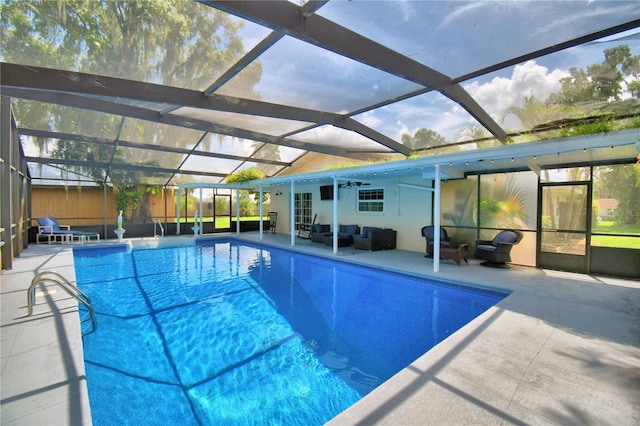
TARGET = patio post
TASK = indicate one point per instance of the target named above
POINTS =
(293, 213)
(436, 221)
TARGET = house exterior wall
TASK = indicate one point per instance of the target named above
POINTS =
(406, 210)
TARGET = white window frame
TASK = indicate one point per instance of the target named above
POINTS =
(369, 202)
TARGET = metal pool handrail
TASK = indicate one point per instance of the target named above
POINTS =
(69, 288)
(161, 228)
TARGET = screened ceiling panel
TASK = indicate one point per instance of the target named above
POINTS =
(198, 163)
(228, 145)
(283, 153)
(187, 178)
(427, 111)
(184, 89)
(154, 178)
(76, 121)
(54, 175)
(160, 134)
(514, 96)
(345, 139)
(267, 169)
(146, 157)
(299, 74)
(197, 34)
(456, 37)
(268, 125)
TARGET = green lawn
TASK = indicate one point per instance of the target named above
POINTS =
(222, 222)
(609, 227)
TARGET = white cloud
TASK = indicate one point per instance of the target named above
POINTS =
(528, 79)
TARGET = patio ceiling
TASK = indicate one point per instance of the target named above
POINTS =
(279, 80)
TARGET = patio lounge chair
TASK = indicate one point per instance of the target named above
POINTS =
(497, 252)
(427, 233)
(51, 231)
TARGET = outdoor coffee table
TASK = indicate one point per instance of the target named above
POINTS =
(343, 240)
(457, 254)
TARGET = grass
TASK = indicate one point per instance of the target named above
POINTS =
(223, 222)
(610, 227)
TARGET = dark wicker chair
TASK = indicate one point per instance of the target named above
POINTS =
(497, 252)
(427, 233)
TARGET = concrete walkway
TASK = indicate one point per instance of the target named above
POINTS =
(561, 349)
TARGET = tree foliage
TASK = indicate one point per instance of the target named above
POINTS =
(603, 82)
(246, 206)
(176, 43)
(423, 139)
(623, 184)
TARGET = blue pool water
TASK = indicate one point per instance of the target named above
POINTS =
(233, 333)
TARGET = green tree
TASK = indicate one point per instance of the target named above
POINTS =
(269, 152)
(623, 184)
(601, 82)
(247, 206)
(423, 139)
(178, 42)
(534, 113)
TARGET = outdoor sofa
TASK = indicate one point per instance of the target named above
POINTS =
(373, 238)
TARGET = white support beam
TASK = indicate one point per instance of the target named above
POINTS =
(261, 211)
(421, 188)
(335, 215)
(200, 214)
(237, 211)
(436, 221)
(178, 195)
(292, 214)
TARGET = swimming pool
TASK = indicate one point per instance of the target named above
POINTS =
(228, 332)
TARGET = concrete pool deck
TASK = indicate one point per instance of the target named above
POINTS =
(561, 349)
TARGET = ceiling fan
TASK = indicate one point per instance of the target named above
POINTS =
(350, 184)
